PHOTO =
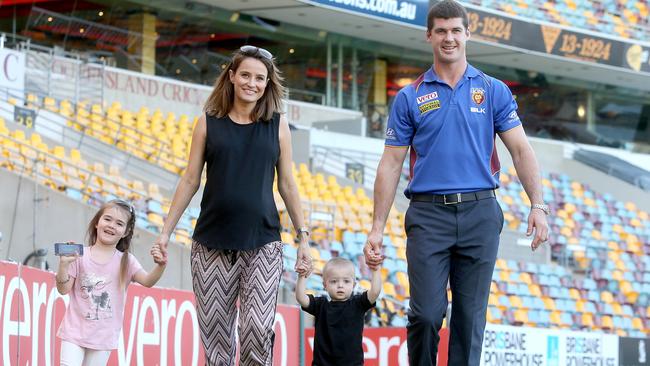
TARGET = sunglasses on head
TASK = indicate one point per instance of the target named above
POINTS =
(252, 51)
(125, 203)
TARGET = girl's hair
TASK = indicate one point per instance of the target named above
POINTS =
(222, 98)
(125, 243)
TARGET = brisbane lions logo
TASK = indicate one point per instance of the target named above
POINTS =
(478, 95)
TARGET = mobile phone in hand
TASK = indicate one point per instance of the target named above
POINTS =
(68, 249)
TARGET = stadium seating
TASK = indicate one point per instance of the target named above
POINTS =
(628, 19)
(603, 282)
(163, 140)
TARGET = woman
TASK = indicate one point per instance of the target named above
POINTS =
(236, 250)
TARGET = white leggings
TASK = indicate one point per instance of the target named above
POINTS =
(73, 355)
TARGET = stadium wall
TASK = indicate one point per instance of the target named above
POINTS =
(160, 327)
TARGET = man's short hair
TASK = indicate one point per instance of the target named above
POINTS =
(447, 9)
(337, 262)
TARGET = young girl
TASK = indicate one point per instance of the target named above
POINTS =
(97, 283)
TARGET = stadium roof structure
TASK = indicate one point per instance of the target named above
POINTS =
(531, 45)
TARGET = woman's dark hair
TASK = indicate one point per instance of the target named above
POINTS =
(222, 98)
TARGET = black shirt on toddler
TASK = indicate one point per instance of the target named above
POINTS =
(338, 329)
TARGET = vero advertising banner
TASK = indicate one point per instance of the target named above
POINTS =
(160, 325)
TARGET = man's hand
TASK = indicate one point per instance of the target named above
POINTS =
(373, 250)
(537, 224)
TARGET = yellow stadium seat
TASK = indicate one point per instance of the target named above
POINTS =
(637, 324)
(574, 294)
(75, 155)
(607, 322)
(501, 264)
(515, 301)
(587, 320)
(631, 297)
(19, 135)
(184, 239)
(556, 318)
(35, 139)
(494, 288)
(402, 279)
(521, 316)
(59, 151)
(364, 284)
(389, 289)
(32, 98)
(607, 297)
(50, 104)
(504, 276)
(286, 237)
(493, 300)
(549, 303)
(535, 290)
(155, 219)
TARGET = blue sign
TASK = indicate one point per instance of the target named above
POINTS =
(553, 351)
(412, 12)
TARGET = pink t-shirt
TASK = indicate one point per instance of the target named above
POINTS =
(96, 310)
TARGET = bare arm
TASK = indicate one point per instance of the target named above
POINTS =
(388, 172)
(64, 281)
(301, 295)
(525, 162)
(148, 279)
(375, 286)
(523, 157)
(289, 193)
(188, 184)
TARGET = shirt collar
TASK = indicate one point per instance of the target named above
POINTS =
(430, 75)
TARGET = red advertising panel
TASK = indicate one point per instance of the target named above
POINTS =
(382, 347)
(160, 325)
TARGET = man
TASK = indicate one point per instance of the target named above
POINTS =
(449, 118)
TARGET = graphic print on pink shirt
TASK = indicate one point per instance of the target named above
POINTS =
(92, 287)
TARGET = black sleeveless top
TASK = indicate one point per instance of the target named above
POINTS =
(238, 211)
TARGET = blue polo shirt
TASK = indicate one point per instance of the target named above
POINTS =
(451, 132)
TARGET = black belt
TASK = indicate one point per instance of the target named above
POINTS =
(454, 198)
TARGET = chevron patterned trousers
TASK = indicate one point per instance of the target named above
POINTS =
(220, 278)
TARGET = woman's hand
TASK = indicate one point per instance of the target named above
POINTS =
(157, 255)
(161, 243)
(304, 265)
